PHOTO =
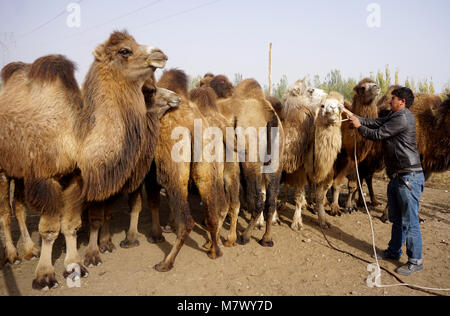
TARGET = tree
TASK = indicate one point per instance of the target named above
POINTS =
(194, 82)
(237, 79)
(281, 88)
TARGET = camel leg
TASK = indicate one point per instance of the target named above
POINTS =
(153, 202)
(352, 188)
(273, 187)
(11, 255)
(96, 220)
(373, 200)
(300, 200)
(49, 228)
(105, 241)
(337, 185)
(232, 186)
(20, 210)
(178, 201)
(321, 191)
(255, 202)
(284, 198)
(135, 203)
(70, 224)
(260, 222)
(210, 184)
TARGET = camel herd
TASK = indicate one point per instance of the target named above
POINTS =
(65, 150)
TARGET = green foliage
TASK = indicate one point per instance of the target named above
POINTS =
(237, 79)
(194, 82)
(335, 82)
(281, 88)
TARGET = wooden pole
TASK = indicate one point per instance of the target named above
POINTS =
(270, 70)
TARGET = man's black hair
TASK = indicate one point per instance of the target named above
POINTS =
(405, 94)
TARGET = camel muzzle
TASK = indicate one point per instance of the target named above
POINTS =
(156, 57)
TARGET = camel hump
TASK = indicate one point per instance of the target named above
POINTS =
(205, 98)
(52, 67)
(175, 80)
(251, 89)
(221, 86)
(11, 69)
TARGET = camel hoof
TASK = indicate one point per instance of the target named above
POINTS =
(325, 225)
(230, 243)
(92, 259)
(167, 229)
(32, 255)
(163, 267)
(297, 226)
(45, 282)
(384, 219)
(241, 240)
(156, 240)
(126, 244)
(266, 243)
(335, 210)
(215, 254)
(107, 247)
(11, 258)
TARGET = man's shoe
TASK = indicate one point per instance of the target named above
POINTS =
(385, 255)
(409, 269)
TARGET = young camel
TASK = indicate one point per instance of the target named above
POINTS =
(236, 104)
(93, 140)
(317, 147)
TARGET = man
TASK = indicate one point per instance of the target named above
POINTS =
(397, 131)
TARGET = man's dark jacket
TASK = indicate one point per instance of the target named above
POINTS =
(397, 131)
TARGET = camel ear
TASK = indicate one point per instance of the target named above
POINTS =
(99, 52)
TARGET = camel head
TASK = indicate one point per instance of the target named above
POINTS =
(121, 54)
(367, 91)
(206, 80)
(315, 96)
(298, 88)
(331, 109)
(159, 100)
(222, 86)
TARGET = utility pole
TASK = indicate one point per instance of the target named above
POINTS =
(270, 69)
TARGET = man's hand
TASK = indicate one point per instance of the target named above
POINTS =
(355, 121)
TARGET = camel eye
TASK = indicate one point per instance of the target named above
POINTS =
(125, 52)
(323, 106)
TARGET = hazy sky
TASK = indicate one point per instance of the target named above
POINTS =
(233, 36)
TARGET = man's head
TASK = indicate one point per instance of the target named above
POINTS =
(401, 98)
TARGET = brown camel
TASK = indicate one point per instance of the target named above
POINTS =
(205, 98)
(173, 169)
(364, 105)
(100, 133)
(236, 104)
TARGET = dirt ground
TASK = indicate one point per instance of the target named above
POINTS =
(300, 263)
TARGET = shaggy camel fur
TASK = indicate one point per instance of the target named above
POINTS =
(299, 93)
(102, 133)
(158, 101)
(236, 104)
(174, 174)
(314, 148)
(364, 105)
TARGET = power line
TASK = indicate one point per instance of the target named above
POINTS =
(177, 14)
(46, 23)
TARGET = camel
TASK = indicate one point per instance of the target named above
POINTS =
(174, 168)
(364, 105)
(205, 98)
(313, 142)
(236, 104)
(71, 148)
(297, 103)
